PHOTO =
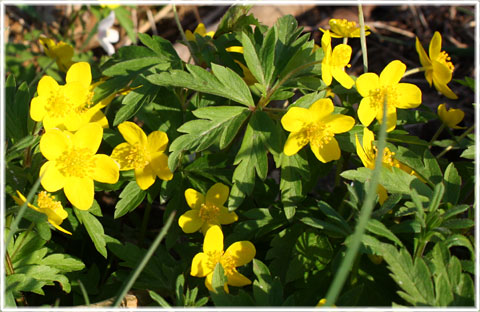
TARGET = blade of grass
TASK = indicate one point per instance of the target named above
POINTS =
(21, 212)
(84, 293)
(364, 217)
(363, 41)
(133, 277)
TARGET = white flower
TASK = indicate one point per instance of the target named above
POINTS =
(107, 35)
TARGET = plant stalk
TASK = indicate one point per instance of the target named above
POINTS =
(363, 40)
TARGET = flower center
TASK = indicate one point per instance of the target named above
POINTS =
(46, 201)
(445, 59)
(388, 158)
(226, 261)
(317, 134)
(77, 162)
(209, 212)
(137, 156)
(58, 104)
(379, 95)
(343, 27)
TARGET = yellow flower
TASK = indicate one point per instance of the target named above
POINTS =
(438, 68)
(238, 254)
(46, 205)
(201, 30)
(375, 90)
(342, 28)
(317, 126)
(451, 117)
(61, 52)
(333, 63)
(322, 302)
(69, 106)
(143, 154)
(247, 74)
(368, 153)
(73, 163)
(110, 6)
(207, 211)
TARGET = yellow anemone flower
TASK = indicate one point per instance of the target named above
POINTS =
(368, 153)
(201, 30)
(375, 90)
(69, 106)
(451, 117)
(73, 163)
(438, 68)
(317, 126)
(61, 52)
(333, 63)
(342, 28)
(238, 254)
(48, 206)
(207, 211)
(143, 154)
(247, 74)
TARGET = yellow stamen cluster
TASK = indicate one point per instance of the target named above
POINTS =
(444, 58)
(226, 261)
(59, 105)
(318, 134)
(137, 156)
(77, 162)
(46, 201)
(208, 212)
(388, 158)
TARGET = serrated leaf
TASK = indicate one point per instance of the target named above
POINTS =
(223, 82)
(130, 198)
(162, 48)
(94, 229)
(252, 59)
(470, 152)
(376, 227)
(133, 102)
(267, 291)
(135, 66)
(63, 262)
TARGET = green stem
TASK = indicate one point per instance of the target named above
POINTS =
(345, 40)
(420, 248)
(363, 40)
(133, 277)
(448, 148)
(9, 264)
(413, 71)
(40, 74)
(182, 33)
(435, 136)
(265, 100)
(84, 292)
(365, 212)
(146, 216)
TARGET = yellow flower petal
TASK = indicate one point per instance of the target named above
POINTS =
(132, 133)
(200, 266)
(445, 90)
(201, 30)
(321, 108)
(73, 121)
(366, 111)
(52, 179)
(382, 194)
(213, 239)
(341, 55)
(226, 217)
(326, 41)
(295, 119)
(145, 177)
(80, 192)
(391, 117)
(450, 117)
(424, 59)
(157, 141)
(343, 78)
(241, 253)
(58, 227)
(238, 280)
(435, 46)
(189, 35)
(339, 123)
(217, 194)
(190, 221)
(88, 137)
(328, 152)
(295, 141)
(106, 169)
(367, 82)
(237, 49)
(94, 114)
(54, 143)
(363, 155)
(208, 281)
(46, 86)
(120, 154)
(392, 73)
(159, 164)
(194, 199)
(410, 95)
(441, 76)
(37, 108)
(327, 73)
(79, 72)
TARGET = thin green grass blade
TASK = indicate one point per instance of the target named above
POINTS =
(363, 40)
(133, 277)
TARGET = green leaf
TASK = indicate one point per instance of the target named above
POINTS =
(470, 152)
(137, 65)
(45, 274)
(94, 229)
(376, 227)
(236, 19)
(458, 223)
(162, 48)
(253, 60)
(17, 109)
(219, 123)
(134, 101)
(130, 198)
(267, 290)
(324, 225)
(453, 183)
(436, 197)
(124, 18)
(219, 296)
(460, 240)
(159, 299)
(294, 170)
(63, 262)
(222, 81)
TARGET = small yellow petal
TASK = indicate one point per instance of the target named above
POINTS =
(392, 73)
(88, 137)
(295, 119)
(237, 49)
(321, 108)
(145, 177)
(218, 194)
(411, 95)
(341, 55)
(241, 253)
(106, 169)
(120, 154)
(52, 179)
(159, 164)
(200, 266)
(445, 90)
(367, 82)
(157, 141)
(37, 108)
(47, 86)
(194, 199)
(366, 111)
(238, 280)
(435, 46)
(132, 133)
(424, 59)
(343, 78)
(54, 143)
(190, 221)
(295, 141)
(328, 152)
(80, 192)
(339, 123)
(79, 72)
(226, 217)
(213, 239)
